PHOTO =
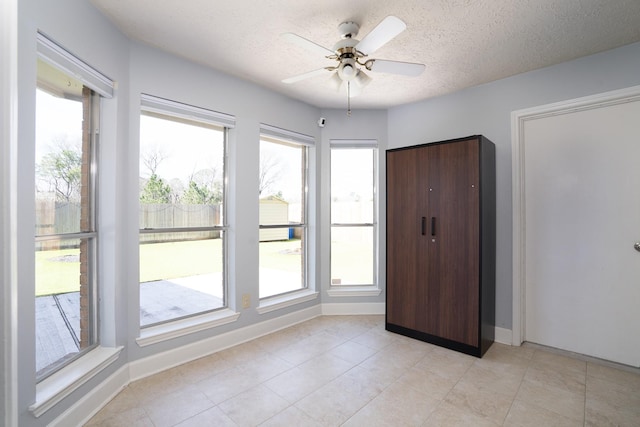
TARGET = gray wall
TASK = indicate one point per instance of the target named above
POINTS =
(486, 110)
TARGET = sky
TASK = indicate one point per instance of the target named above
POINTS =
(57, 119)
(186, 149)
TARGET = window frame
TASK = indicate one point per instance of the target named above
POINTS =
(175, 111)
(275, 135)
(91, 234)
(361, 289)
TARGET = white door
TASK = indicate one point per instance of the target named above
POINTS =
(582, 216)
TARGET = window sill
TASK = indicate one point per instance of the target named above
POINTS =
(182, 327)
(281, 301)
(53, 389)
(354, 291)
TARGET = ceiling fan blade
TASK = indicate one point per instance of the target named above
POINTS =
(386, 30)
(308, 44)
(396, 67)
(307, 75)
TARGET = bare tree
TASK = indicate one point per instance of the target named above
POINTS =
(152, 157)
(155, 190)
(271, 168)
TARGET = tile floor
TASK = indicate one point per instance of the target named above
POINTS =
(347, 370)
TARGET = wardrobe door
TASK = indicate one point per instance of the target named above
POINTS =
(406, 230)
(454, 253)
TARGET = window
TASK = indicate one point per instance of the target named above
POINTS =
(353, 213)
(283, 211)
(67, 116)
(182, 211)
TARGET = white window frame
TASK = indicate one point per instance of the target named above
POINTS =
(306, 293)
(362, 289)
(172, 328)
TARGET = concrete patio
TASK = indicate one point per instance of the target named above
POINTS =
(58, 316)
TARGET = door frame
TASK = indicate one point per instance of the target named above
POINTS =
(518, 141)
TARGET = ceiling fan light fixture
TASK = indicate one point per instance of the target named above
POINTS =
(336, 82)
(347, 69)
(361, 79)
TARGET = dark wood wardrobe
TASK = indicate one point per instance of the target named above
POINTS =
(441, 231)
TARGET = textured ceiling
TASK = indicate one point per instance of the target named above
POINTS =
(462, 42)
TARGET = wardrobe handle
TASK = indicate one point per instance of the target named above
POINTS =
(424, 225)
(433, 225)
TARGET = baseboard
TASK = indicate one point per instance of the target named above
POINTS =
(88, 405)
(503, 336)
(159, 362)
(346, 309)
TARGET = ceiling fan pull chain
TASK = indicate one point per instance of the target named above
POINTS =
(348, 99)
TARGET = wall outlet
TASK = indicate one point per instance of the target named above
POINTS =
(246, 300)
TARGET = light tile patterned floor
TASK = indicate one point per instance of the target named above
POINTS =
(347, 370)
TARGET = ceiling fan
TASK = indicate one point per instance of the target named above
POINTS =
(352, 56)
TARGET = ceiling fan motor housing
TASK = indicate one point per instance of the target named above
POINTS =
(348, 30)
(347, 55)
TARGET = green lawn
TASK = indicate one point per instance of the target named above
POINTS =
(58, 271)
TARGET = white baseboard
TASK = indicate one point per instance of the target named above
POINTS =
(159, 362)
(347, 309)
(503, 336)
(89, 404)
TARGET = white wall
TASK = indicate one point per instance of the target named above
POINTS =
(486, 110)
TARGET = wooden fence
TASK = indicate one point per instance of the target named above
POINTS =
(60, 218)
(176, 216)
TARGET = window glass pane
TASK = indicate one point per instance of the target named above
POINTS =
(352, 256)
(181, 188)
(61, 328)
(282, 201)
(281, 181)
(282, 262)
(353, 231)
(65, 293)
(58, 163)
(181, 174)
(181, 274)
(352, 188)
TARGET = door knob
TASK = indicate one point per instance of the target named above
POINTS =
(637, 246)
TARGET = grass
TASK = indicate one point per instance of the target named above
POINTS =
(172, 260)
(58, 271)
